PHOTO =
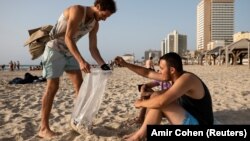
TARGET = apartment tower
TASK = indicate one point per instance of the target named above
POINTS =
(215, 21)
(174, 42)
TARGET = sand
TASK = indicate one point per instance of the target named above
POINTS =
(20, 104)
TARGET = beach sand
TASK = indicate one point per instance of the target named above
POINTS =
(20, 104)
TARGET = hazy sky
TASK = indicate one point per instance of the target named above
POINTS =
(138, 25)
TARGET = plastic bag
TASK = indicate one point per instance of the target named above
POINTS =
(89, 99)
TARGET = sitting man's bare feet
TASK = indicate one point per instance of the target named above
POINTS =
(133, 137)
(47, 134)
(125, 137)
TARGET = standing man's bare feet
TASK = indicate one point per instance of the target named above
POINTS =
(47, 134)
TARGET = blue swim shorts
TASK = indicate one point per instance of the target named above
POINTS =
(190, 120)
(55, 63)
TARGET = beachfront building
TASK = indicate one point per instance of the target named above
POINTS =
(174, 42)
(164, 49)
(129, 58)
(214, 44)
(156, 54)
(241, 35)
(215, 22)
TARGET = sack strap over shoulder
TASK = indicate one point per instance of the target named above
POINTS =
(57, 35)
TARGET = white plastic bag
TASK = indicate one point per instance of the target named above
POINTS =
(89, 99)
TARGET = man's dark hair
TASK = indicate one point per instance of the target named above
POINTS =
(173, 60)
(106, 5)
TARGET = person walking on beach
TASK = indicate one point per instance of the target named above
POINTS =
(62, 54)
(186, 102)
(18, 65)
(11, 66)
(150, 64)
(14, 65)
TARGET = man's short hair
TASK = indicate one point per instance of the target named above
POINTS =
(106, 5)
(173, 60)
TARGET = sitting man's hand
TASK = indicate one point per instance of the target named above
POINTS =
(146, 94)
(105, 67)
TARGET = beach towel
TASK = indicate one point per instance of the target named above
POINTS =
(28, 78)
(89, 99)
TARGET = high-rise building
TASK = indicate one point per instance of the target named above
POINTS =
(174, 42)
(215, 21)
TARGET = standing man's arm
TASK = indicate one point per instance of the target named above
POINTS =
(74, 16)
(93, 45)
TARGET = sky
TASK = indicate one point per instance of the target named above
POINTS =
(137, 26)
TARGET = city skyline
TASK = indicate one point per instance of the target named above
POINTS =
(136, 27)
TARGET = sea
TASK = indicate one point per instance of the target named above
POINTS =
(22, 67)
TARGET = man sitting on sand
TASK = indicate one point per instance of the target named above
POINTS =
(186, 102)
